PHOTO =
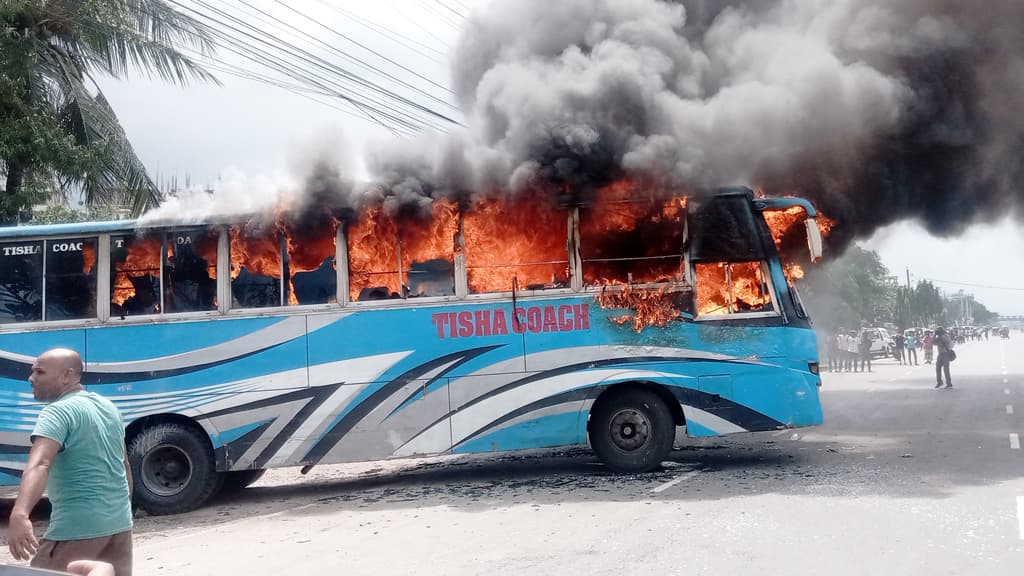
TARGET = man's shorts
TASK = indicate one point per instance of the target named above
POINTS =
(115, 549)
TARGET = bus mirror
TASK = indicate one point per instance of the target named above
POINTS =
(813, 239)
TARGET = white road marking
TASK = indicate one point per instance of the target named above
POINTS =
(1020, 515)
(675, 481)
(1005, 380)
(1014, 441)
(1009, 408)
(1006, 391)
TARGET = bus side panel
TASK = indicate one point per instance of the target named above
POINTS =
(729, 377)
(227, 374)
(18, 410)
(516, 411)
(406, 409)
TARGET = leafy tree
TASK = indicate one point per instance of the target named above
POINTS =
(928, 305)
(983, 315)
(857, 289)
(57, 129)
(60, 214)
(851, 291)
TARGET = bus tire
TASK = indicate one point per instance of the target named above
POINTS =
(632, 430)
(237, 480)
(172, 469)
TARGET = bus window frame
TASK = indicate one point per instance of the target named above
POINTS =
(43, 323)
(572, 260)
(162, 231)
(341, 251)
(684, 283)
(776, 310)
(187, 228)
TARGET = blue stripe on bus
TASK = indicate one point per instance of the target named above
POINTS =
(543, 432)
(115, 343)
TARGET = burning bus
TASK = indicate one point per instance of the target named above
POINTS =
(237, 345)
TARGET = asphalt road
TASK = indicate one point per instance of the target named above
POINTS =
(902, 479)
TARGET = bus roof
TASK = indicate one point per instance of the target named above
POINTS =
(109, 226)
(131, 226)
(71, 228)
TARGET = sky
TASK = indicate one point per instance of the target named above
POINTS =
(986, 261)
(249, 134)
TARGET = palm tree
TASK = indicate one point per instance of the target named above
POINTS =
(51, 52)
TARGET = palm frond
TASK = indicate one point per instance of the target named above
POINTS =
(146, 35)
(160, 22)
(120, 178)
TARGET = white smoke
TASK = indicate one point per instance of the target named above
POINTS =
(236, 193)
(319, 171)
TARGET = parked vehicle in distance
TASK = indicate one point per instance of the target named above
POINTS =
(881, 343)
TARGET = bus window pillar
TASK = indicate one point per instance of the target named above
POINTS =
(103, 277)
(341, 263)
(573, 248)
(461, 274)
(223, 269)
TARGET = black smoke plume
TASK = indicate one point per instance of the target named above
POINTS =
(876, 110)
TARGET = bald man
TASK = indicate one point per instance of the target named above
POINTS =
(78, 456)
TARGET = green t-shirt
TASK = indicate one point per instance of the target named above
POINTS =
(88, 486)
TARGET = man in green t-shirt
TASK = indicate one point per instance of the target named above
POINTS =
(78, 456)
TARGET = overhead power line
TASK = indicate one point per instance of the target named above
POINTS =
(403, 41)
(271, 51)
(967, 284)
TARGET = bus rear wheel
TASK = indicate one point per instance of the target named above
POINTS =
(631, 430)
(172, 468)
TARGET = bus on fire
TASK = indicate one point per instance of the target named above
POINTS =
(236, 346)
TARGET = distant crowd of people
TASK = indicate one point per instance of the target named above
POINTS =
(852, 350)
(849, 351)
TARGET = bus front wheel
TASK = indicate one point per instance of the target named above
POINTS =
(172, 468)
(631, 430)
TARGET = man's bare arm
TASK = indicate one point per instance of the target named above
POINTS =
(20, 537)
(37, 472)
(128, 473)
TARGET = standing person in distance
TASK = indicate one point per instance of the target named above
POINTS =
(945, 355)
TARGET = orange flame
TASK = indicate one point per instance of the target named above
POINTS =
(728, 288)
(631, 235)
(648, 307)
(308, 250)
(143, 259)
(257, 253)
(377, 242)
(781, 222)
(88, 257)
(524, 238)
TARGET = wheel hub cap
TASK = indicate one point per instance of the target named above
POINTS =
(629, 430)
(166, 470)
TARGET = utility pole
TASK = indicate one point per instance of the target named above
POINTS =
(910, 310)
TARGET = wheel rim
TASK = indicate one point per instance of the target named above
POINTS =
(166, 470)
(629, 430)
